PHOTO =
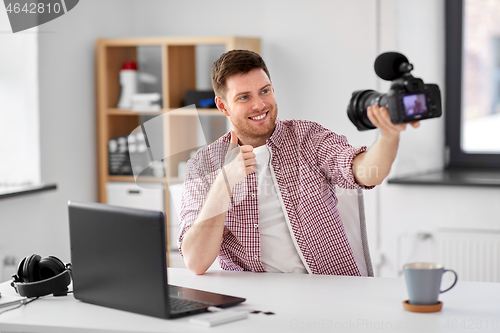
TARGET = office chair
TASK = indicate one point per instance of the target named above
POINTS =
(352, 213)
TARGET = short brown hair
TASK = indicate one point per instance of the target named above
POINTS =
(234, 62)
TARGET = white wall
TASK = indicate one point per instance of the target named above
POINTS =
(318, 52)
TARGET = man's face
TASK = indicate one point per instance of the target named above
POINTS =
(250, 105)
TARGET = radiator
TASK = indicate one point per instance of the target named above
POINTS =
(474, 255)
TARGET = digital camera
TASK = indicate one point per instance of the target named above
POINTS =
(409, 98)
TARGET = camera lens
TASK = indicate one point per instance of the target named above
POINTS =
(357, 108)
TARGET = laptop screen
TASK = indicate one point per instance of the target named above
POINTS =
(119, 257)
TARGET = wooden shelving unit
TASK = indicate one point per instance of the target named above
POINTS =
(178, 74)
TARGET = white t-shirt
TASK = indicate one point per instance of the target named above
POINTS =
(278, 250)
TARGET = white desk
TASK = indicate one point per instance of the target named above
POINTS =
(301, 303)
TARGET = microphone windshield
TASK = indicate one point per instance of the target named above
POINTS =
(387, 65)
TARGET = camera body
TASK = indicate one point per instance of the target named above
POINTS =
(409, 98)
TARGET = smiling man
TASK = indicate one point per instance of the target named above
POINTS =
(262, 197)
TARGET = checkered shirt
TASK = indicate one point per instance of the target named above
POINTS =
(308, 161)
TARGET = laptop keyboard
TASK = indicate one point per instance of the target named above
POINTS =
(178, 305)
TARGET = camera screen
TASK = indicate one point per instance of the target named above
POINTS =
(415, 104)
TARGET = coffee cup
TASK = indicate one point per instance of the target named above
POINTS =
(423, 280)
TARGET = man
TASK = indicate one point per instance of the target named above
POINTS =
(269, 205)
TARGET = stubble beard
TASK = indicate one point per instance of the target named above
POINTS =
(248, 135)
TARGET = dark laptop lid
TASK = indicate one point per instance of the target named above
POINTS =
(118, 257)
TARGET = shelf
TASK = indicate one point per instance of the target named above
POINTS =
(13, 191)
(453, 177)
(131, 179)
(231, 42)
(174, 61)
(191, 112)
(173, 180)
(170, 112)
(122, 112)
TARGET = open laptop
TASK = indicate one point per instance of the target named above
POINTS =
(118, 258)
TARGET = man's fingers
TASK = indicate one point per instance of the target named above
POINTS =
(249, 159)
(248, 155)
(234, 137)
(380, 118)
(372, 118)
(249, 169)
(246, 149)
(234, 140)
(386, 123)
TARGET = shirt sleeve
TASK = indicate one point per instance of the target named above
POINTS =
(335, 157)
(194, 192)
(201, 172)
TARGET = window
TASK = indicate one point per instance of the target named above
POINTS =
(471, 100)
(473, 83)
(19, 124)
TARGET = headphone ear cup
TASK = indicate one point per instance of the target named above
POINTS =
(30, 266)
(20, 270)
(48, 267)
(59, 261)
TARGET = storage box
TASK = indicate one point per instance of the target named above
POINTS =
(128, 194)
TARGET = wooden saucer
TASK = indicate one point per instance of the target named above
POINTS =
(422, 308)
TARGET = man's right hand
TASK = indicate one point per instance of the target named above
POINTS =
(239, 162)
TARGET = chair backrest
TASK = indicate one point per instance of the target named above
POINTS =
(352, 213)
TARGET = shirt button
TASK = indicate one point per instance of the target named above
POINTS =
(255, 225)
(256, 257)
(253, 195)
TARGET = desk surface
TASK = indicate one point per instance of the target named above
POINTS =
(301, 303)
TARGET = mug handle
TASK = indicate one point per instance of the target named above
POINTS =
(454, 282)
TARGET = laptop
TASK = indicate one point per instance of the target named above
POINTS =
(118, 259)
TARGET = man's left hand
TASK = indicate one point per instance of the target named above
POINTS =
(380, 118)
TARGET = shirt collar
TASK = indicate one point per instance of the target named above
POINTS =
(277, 137)
(226, 137)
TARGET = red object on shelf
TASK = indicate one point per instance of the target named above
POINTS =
(130, 65)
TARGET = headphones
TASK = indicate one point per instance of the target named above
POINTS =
(37, 276)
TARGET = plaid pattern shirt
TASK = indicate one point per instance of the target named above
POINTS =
(307, 161)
